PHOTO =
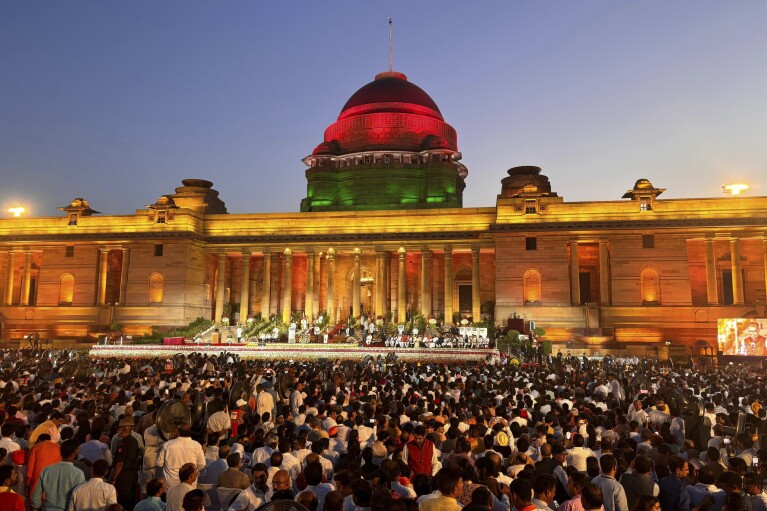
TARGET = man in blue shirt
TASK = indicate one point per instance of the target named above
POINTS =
(58, 480)
(154, 490)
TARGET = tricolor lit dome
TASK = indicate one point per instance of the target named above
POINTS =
(388, 113)
(390, 148)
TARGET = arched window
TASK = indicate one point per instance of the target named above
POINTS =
(650, 286)
(156, 284)
(531, 284)
(66, 289)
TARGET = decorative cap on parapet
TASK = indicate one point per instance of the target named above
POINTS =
(643, 187)
(80, 206)
(164, 202)
(526, 181)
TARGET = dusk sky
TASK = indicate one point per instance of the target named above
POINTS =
(118, 101)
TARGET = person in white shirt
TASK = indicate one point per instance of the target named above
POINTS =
(313, 474)
(577, 456)
(297, 398)
(262, 454)
(95, 494)
(174, 499)
(264, 401)
(177, 452)
(7, 442)
(254, 497)
(220, 422)
(289, 462)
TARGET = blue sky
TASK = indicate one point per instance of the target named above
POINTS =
(117, 102)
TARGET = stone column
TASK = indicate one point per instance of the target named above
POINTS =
(309, 300)
(575, 274)
(737, 272)
(26, 283)
(12, 268)
(712, 293)
(101, 295)
(764, 246)
(379, 283)
(448, 284)
(124, 276)
(266, 292)
(220, 287)
(317, 284)
(426, 282)
(476, 306)
(245, 288)
(402, 286)
(287, 286)
(356, 285)
(387, 282)
(604, 273)
(331, 302)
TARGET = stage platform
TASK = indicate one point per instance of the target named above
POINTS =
(298, 352)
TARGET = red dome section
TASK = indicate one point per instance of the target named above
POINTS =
(390, 90)
(389, 113)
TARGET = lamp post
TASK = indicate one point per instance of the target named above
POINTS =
(735, 189)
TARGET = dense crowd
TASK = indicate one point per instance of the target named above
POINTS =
(194, 433)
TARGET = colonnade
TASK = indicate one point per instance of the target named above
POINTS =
(321, 269)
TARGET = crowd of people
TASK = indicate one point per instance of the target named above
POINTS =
(211, 433)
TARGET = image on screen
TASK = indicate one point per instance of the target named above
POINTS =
(743, 336)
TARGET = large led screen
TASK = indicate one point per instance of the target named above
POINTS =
(742, 336)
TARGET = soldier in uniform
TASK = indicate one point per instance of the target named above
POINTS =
(127, 465)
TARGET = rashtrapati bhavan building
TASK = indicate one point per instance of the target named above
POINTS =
(382, 230)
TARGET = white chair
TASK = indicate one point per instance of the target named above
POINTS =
(211, 500)
(225, 496)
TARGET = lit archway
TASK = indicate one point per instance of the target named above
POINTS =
(156, 288)
(66, 289)
(650, 286)
(531, 286)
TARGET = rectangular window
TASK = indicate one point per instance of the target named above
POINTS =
(531, 206)
(645, 203)
(648, 241)
(387, 158)
(158, 250)
(162, 216)
(73, 219)
(531, 243)
(69, 251)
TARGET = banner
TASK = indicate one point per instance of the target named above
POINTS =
(470, 330)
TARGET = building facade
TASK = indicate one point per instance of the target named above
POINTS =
(382, 231)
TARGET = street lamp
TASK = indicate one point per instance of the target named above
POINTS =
(735, 189)
(16, 211)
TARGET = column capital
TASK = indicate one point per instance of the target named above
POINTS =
(604, 242)
(246, 253)
(309, 251)
(288, 253)
(103, 250)
(448, 250)
(331, 253)
(474, 250)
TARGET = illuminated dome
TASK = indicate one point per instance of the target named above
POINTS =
(390, 91)
(389, 113)
(389, 148)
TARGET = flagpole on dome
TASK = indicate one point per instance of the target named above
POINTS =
(390, 51)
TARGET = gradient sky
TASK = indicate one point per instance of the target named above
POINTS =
(117, 101)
